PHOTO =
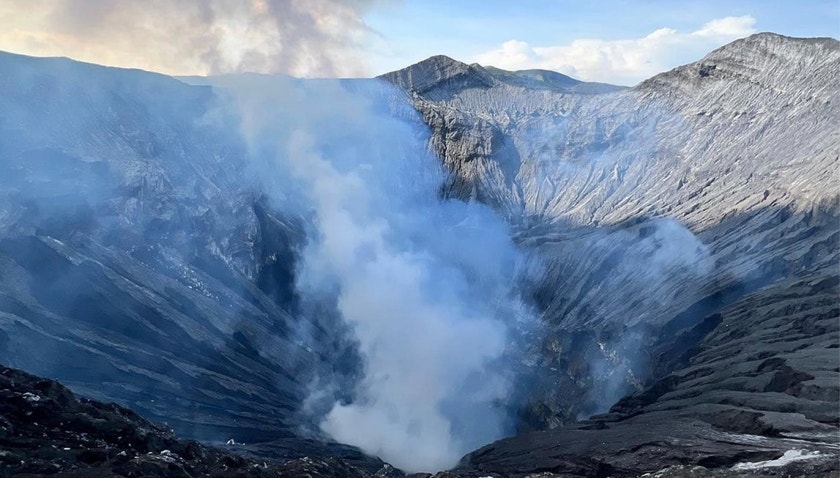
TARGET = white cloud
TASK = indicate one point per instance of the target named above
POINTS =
(727, 27)
(624, 62)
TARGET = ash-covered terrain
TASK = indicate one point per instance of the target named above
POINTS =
(628, 280)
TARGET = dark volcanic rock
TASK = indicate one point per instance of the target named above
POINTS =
(46, 430)
(764, 382)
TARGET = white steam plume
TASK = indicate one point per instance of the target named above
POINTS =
(194, 37)
(427, 285)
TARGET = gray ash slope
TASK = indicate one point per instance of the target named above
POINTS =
(726, 335)
(683, 236)
(140, 264)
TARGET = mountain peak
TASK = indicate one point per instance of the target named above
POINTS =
(438, 71)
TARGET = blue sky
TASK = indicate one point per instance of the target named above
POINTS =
(410, 31)
(614, 41)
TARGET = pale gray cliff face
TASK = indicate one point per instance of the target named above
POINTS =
(603, 158)
(736, 156)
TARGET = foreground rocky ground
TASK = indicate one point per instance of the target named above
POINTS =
(46, 430)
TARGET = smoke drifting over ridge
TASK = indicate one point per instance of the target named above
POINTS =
(427, 285)
(195, 37)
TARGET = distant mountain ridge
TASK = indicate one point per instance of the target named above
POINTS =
(440, 72)
(762, 67)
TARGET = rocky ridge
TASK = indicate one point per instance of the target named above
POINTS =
(705, 225)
